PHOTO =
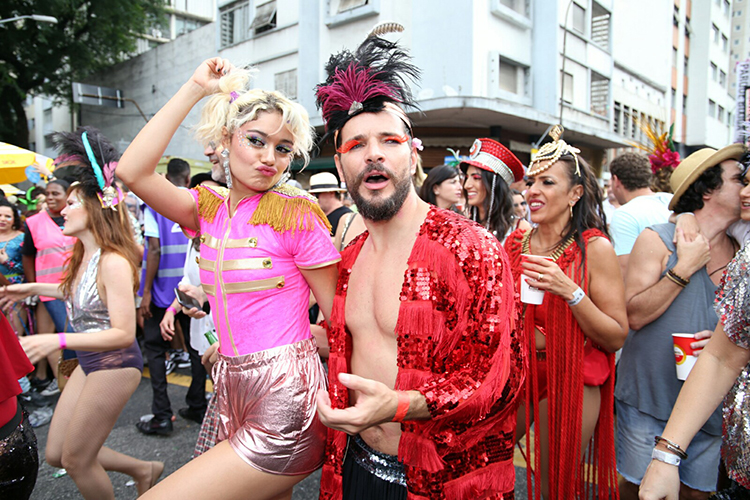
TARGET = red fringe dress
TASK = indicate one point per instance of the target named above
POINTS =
(572, 361)
(457, 345)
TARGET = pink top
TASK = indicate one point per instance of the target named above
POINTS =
(251, 271)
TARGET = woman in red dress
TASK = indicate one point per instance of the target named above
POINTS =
(574, 332)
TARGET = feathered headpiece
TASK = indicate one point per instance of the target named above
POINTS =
(551, 152)
(662, 155)
(377, 73)
(91, 149)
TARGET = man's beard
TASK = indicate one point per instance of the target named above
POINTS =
(379, 209)
(217, 172)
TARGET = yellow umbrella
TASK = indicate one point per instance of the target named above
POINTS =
(14, 160)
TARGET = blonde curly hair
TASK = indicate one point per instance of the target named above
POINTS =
(236, 104)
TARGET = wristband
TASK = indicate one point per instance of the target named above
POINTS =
(667, 458)
(172, 310)
(403, 406)
(63, 340)
(578, 296)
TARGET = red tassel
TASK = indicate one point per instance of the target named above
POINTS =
(417, 451)
(494, 479)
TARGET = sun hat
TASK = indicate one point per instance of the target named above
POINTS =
(324, 182)
(689, 169)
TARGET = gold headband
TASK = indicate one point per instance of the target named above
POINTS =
(552, 151)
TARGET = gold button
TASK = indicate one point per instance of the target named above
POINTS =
(203, 238)
(267, 263)
(252, 242)
(280, 284)
(197, 260)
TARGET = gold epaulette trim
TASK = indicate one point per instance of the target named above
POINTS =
(209, 201)
(286, 207)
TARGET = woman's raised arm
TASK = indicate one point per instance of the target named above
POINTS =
(137, 167)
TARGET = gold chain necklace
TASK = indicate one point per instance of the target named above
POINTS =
(556, 253)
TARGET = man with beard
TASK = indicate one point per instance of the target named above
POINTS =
(425, 364)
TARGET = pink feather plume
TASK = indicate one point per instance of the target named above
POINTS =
(353, 84)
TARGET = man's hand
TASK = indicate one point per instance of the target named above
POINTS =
(167, 326)
(376, 404)
(700, 344)
(145, 308)
(209, 357)
(691, 255)
(194, 292)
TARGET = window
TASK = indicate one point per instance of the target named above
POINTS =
(30, 124)
(720, 116)
(184, 25)
(722, 78)
(617, 123)
(685, 66)
(724, 43)
(736, 41)
(516, 5)
(345, 5)
(286, 83)
(579, 18)
(729, 118)
(599, 97)
(512, 77)
(567, 90)
(727, 7)
(714, 70)
(265, 17)
(737, 27)
(716, 33)
(684, 104)
(673, 100)
(674, 57)
(600, 20)
(235, 23)
(711, 108)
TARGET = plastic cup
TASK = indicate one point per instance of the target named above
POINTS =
(683, 354)
(530, 294)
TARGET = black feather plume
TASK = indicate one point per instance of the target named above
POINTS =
(71, 143)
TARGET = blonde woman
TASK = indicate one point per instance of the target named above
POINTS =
(264, 246)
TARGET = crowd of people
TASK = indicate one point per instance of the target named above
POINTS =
(493, 305)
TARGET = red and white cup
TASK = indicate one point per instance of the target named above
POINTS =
(530, 294)
(684, 356)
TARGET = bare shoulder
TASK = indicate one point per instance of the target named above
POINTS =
(113, 264)
(600, 246)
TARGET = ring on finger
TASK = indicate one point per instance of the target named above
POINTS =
(541, 277)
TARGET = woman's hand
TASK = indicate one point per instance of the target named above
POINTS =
(3, 256)
(10, 294)
(167, 326)
(210, 357)
(209, 72)
(687, 225)
(661, 481)
(546, 275)
(39, 346)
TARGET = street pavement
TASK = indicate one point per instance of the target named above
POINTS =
(175, 450)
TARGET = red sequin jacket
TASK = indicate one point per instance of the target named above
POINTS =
(457, 345)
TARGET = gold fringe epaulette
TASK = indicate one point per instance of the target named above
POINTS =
(285, 207)
(209, 201)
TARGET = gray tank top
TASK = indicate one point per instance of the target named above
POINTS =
(646, 377)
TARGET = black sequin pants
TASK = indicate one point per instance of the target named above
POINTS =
(19, 461)
(368, 474)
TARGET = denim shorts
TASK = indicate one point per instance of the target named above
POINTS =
(635, 441)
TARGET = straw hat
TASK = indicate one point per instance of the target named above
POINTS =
(324, 182)
(689, 169)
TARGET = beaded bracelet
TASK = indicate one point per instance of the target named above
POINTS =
(677, 279)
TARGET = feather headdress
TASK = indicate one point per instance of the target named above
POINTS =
(98, 156)
(364, 81)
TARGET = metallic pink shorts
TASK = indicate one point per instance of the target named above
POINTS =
(267, 409)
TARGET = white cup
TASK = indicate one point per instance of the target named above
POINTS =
(530, 294)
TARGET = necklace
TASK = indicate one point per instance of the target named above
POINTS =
(556, 253)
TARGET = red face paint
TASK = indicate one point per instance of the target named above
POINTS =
(347, 146)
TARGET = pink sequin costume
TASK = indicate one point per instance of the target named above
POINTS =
(457, 345)
(268, 370)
